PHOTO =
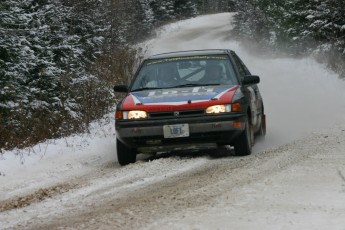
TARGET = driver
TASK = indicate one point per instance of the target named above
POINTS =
(213, 74)
(168, 75)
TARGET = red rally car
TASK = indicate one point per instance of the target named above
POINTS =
(184, 100)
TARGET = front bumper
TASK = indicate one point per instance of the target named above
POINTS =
(204, 132)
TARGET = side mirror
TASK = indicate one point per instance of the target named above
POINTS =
(251, 79)
(121, 88)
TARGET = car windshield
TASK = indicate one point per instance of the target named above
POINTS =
(185, 72)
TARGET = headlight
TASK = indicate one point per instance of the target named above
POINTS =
(134, 114)
(215, 109)
(137, 114)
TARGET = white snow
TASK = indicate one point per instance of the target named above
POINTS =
(301, 97)
(54, 161)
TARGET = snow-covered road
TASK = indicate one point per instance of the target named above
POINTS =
(293, 180)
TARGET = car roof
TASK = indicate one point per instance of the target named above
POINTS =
(190, 53)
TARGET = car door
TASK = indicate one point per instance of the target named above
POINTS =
(250, 91)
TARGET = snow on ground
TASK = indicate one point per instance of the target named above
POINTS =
(55, 161)
(300, 185)
(306, 194)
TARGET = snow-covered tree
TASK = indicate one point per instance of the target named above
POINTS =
(297, 26)
(214, 6)
(58, 59)
(185, 8)
(163, 9)
(41, 48)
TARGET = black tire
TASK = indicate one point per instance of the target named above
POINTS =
(125, 155)
(243, 144)
(262, 130)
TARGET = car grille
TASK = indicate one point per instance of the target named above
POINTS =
(176, 114)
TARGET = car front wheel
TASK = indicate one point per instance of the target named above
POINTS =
(243, 144)
(262, 130)
(125, 155)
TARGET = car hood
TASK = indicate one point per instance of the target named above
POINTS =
(179, 98)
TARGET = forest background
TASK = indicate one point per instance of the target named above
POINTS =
(59, 59)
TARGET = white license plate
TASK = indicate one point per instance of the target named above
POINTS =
(173, 131)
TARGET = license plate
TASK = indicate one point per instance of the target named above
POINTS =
(173, 131)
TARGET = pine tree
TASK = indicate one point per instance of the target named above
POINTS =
(185, 8)
(297, 27)
(46, 52)
(163, 10)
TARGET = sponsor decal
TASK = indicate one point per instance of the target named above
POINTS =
(179, 96)
(211, 57)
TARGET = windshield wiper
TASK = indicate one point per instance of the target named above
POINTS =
(209, 84)
(193, 85)
(187, 85)
(145, 88)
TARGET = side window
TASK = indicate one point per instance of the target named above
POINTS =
(242, 69)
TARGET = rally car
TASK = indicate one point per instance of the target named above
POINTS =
(185, 100)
